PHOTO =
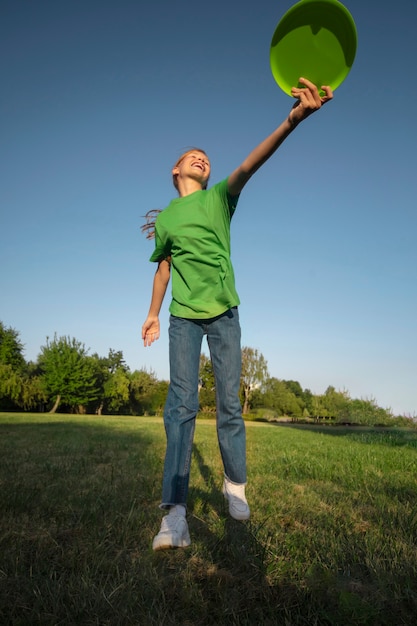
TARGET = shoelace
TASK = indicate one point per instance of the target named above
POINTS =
(169, 522)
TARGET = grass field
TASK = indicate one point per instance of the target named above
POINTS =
(332, 538)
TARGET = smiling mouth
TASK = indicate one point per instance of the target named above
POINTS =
(199, 165)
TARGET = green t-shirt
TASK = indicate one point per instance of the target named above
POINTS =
(195, 231)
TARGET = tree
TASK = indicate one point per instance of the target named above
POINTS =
(368, 412)
(207, 386)
(279, 397)
(147, 393)
(158, 397)
(10, 387)
(68, 373)
(33, 395)
(20, 390)
(254, 373)
(295, 387)
(11, 348)
(336, 403)
(308, 401)
(318, 408)
(117, 391)
(304, 396)
(115, 361)
(112, 394)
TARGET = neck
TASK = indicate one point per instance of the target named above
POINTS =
(188, 186)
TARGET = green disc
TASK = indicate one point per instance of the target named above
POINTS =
(315, 39)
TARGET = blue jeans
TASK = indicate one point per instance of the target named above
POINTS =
(185, 338)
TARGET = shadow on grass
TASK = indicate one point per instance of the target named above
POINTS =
(388, 436)
(233, 573)
(78, 510)
(223, 577)
(232, 546)
(223, 573)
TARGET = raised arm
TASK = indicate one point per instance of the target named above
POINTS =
(308, 101)
(151, 327)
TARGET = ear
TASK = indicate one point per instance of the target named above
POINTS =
(175, 173)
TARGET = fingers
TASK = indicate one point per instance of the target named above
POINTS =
(149, 337)
(328, 91)
(309, 99)
(308, 83)
(150, 333)
(309, 94)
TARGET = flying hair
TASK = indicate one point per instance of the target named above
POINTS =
(148, 228)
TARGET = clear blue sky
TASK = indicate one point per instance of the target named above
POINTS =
(97, 100)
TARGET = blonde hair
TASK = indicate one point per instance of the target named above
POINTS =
(149, 227)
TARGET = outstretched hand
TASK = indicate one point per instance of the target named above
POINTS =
(308, 100)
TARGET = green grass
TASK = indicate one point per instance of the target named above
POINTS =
(332, 538)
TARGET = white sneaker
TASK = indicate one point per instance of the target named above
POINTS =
(173, 533)
(238, 505)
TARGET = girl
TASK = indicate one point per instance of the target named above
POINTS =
(192, 241)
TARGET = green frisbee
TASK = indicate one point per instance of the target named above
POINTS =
(315, 39)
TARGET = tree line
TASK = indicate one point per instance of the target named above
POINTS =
(66, 378)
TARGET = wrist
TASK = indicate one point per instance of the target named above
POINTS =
(292, 123)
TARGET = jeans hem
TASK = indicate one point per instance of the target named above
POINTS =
(165, 506)
(232, 482)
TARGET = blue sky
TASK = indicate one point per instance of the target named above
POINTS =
(100, 97)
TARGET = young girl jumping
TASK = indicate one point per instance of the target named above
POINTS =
(192, 241)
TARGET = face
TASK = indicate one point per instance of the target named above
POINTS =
(193, 164)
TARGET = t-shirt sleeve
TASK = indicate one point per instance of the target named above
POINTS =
(230, 201)
(162, 249)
